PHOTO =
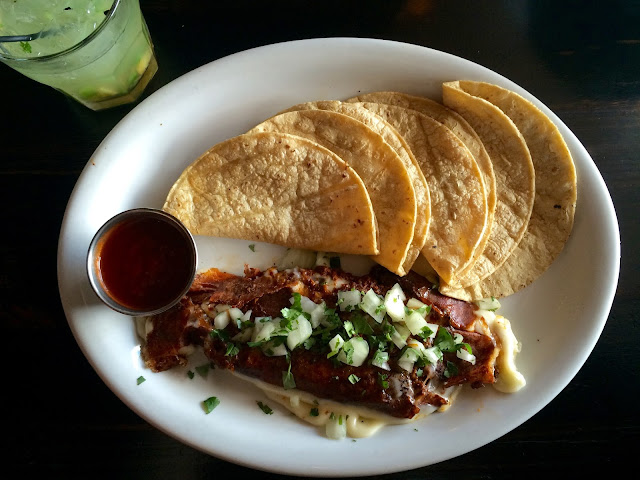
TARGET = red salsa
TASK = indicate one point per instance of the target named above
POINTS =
(144, 263)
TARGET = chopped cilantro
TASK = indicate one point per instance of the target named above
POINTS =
(210, 403)
(288, 381)
(314, 412)
(332, 318)
(252, 247)
(444, 341)
(203, 370)
(425, 333)
(354, 378)
(221, 334)
(26, 47)
(361, 324)
(451, 370)
(265, 408)
(190, 374)
(348, 327)
(382, 380)
(140, 380)
(232, 349)
(348, 350)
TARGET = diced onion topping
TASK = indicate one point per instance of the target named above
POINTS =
(394, 303)
(348, 300)
(492, 304)
(373, 304)
(336, 427)
(399, 335)
(402, 324)
(354, 351)
(466, 356)
(221, 320)
(300, 332)
(415, 322)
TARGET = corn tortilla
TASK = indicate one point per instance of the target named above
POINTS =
(458, 198)
(378, 165)
(553, 210)
(276, 188)
(461, 128)
(400, 146)
(515, 179)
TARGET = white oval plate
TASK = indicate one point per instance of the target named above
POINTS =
(558, 319)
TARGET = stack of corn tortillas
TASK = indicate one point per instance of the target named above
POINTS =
(477, 193)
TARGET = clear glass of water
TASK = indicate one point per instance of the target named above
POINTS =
(98, 52)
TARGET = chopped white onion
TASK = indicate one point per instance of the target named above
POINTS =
(400, 335)
(306, 304)
(394, 303)
(432, 354)
(301, 331)
(463, 354)
(221, 320)
(336, 427)
(348, 299)
(235, 314)
(381, 360)
(274, 351)
(434, 329)
(371, 303)
(359, 354)
(415, 304)
(415, 322)
(317, 315)
(335, 344)
(264, 332)
(408, 359)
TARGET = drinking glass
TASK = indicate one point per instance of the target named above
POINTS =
(98, 52)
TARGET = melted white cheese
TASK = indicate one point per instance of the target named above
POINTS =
(361, 422)
(509, 379)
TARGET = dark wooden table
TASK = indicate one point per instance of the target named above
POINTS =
(582, 59)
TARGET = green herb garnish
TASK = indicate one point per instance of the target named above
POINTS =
(451, 370)
(288, 381)
(203, 370)
(444, 341)
(140, 380)
(232, 349)
(210, 403)
(265, 408)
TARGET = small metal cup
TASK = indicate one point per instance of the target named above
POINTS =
(137, 213)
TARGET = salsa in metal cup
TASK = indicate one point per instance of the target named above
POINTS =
(142, 261)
